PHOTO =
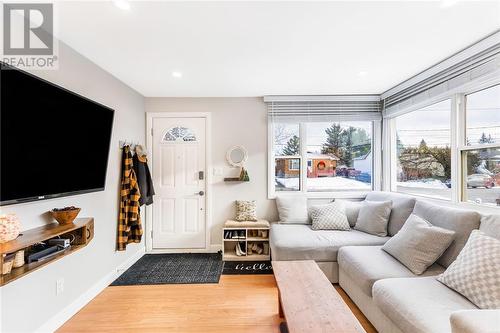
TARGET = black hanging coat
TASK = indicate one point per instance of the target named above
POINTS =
(144, 180)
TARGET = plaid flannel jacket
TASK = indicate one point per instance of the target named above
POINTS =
(129, 221)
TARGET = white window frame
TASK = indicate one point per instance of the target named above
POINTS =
(463, 147)
(457, 140)
(376, 165)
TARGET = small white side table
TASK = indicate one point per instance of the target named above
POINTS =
(249, 228)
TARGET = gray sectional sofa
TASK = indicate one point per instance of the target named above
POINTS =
(392, 297)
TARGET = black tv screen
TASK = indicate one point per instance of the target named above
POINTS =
(53, 142)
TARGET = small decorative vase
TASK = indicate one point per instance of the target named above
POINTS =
(9, 227)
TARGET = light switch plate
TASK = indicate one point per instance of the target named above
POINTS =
(218, 171)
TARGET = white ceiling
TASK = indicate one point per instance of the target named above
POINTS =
(267, 48)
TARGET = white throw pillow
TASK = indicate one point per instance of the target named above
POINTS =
(373, 217)
(331, 216)
(292, 208)
(418, 244)
(476, 272)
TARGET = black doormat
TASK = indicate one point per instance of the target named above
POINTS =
(175, 268)
(247, 267)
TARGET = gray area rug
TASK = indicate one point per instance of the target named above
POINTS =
(178, 268)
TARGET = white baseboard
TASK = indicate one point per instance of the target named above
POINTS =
(213, 248)
(59, 319)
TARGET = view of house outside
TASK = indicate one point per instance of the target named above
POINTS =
(423, 150)
(339, 156)
(423, 142)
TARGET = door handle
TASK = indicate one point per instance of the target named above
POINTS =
(200, 193)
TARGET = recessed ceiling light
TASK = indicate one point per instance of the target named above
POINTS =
(448, 3)
(362, 73)
(122, 4)
(176, 74)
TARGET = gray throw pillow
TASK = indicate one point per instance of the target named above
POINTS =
(329, 217)
(373, 217)
(418, 244)
(461, 221)
(292, 208)
(490, 225)
(476, 271)
(351, 210)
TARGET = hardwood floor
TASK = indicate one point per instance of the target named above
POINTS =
(356, 311)
(239, 303)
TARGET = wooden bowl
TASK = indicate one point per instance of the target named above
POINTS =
(65, 216)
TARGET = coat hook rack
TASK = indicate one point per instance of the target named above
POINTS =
(128, 143)
(132, 146)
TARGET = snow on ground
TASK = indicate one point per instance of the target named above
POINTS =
(325, 184)
(423, 184)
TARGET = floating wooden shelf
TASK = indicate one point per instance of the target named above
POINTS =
(82, 229)
(234, 179)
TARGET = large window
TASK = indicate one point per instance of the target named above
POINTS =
(481, 155)
(322, 156)
(423, 151)
(449, 150)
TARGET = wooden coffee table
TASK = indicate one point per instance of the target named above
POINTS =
(309, 302)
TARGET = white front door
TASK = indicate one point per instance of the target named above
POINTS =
(179, 179)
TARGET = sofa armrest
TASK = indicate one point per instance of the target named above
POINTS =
(475, 321)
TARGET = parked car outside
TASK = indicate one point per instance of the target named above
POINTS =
(480, 180)
(364, 177)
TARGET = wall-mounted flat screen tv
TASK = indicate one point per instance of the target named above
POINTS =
(53, 142)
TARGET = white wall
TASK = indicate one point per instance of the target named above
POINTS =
(30, 302)
(235, 121)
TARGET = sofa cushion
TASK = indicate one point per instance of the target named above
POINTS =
(418, 244)
(373, 217)
(459, 220)
(352, 209)
(476, 272)
(402, 206)
(490, 225)
(418, 305)
(331, 216)
(300, 242)
(293, 209)
(367, 264)
(475, 321)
